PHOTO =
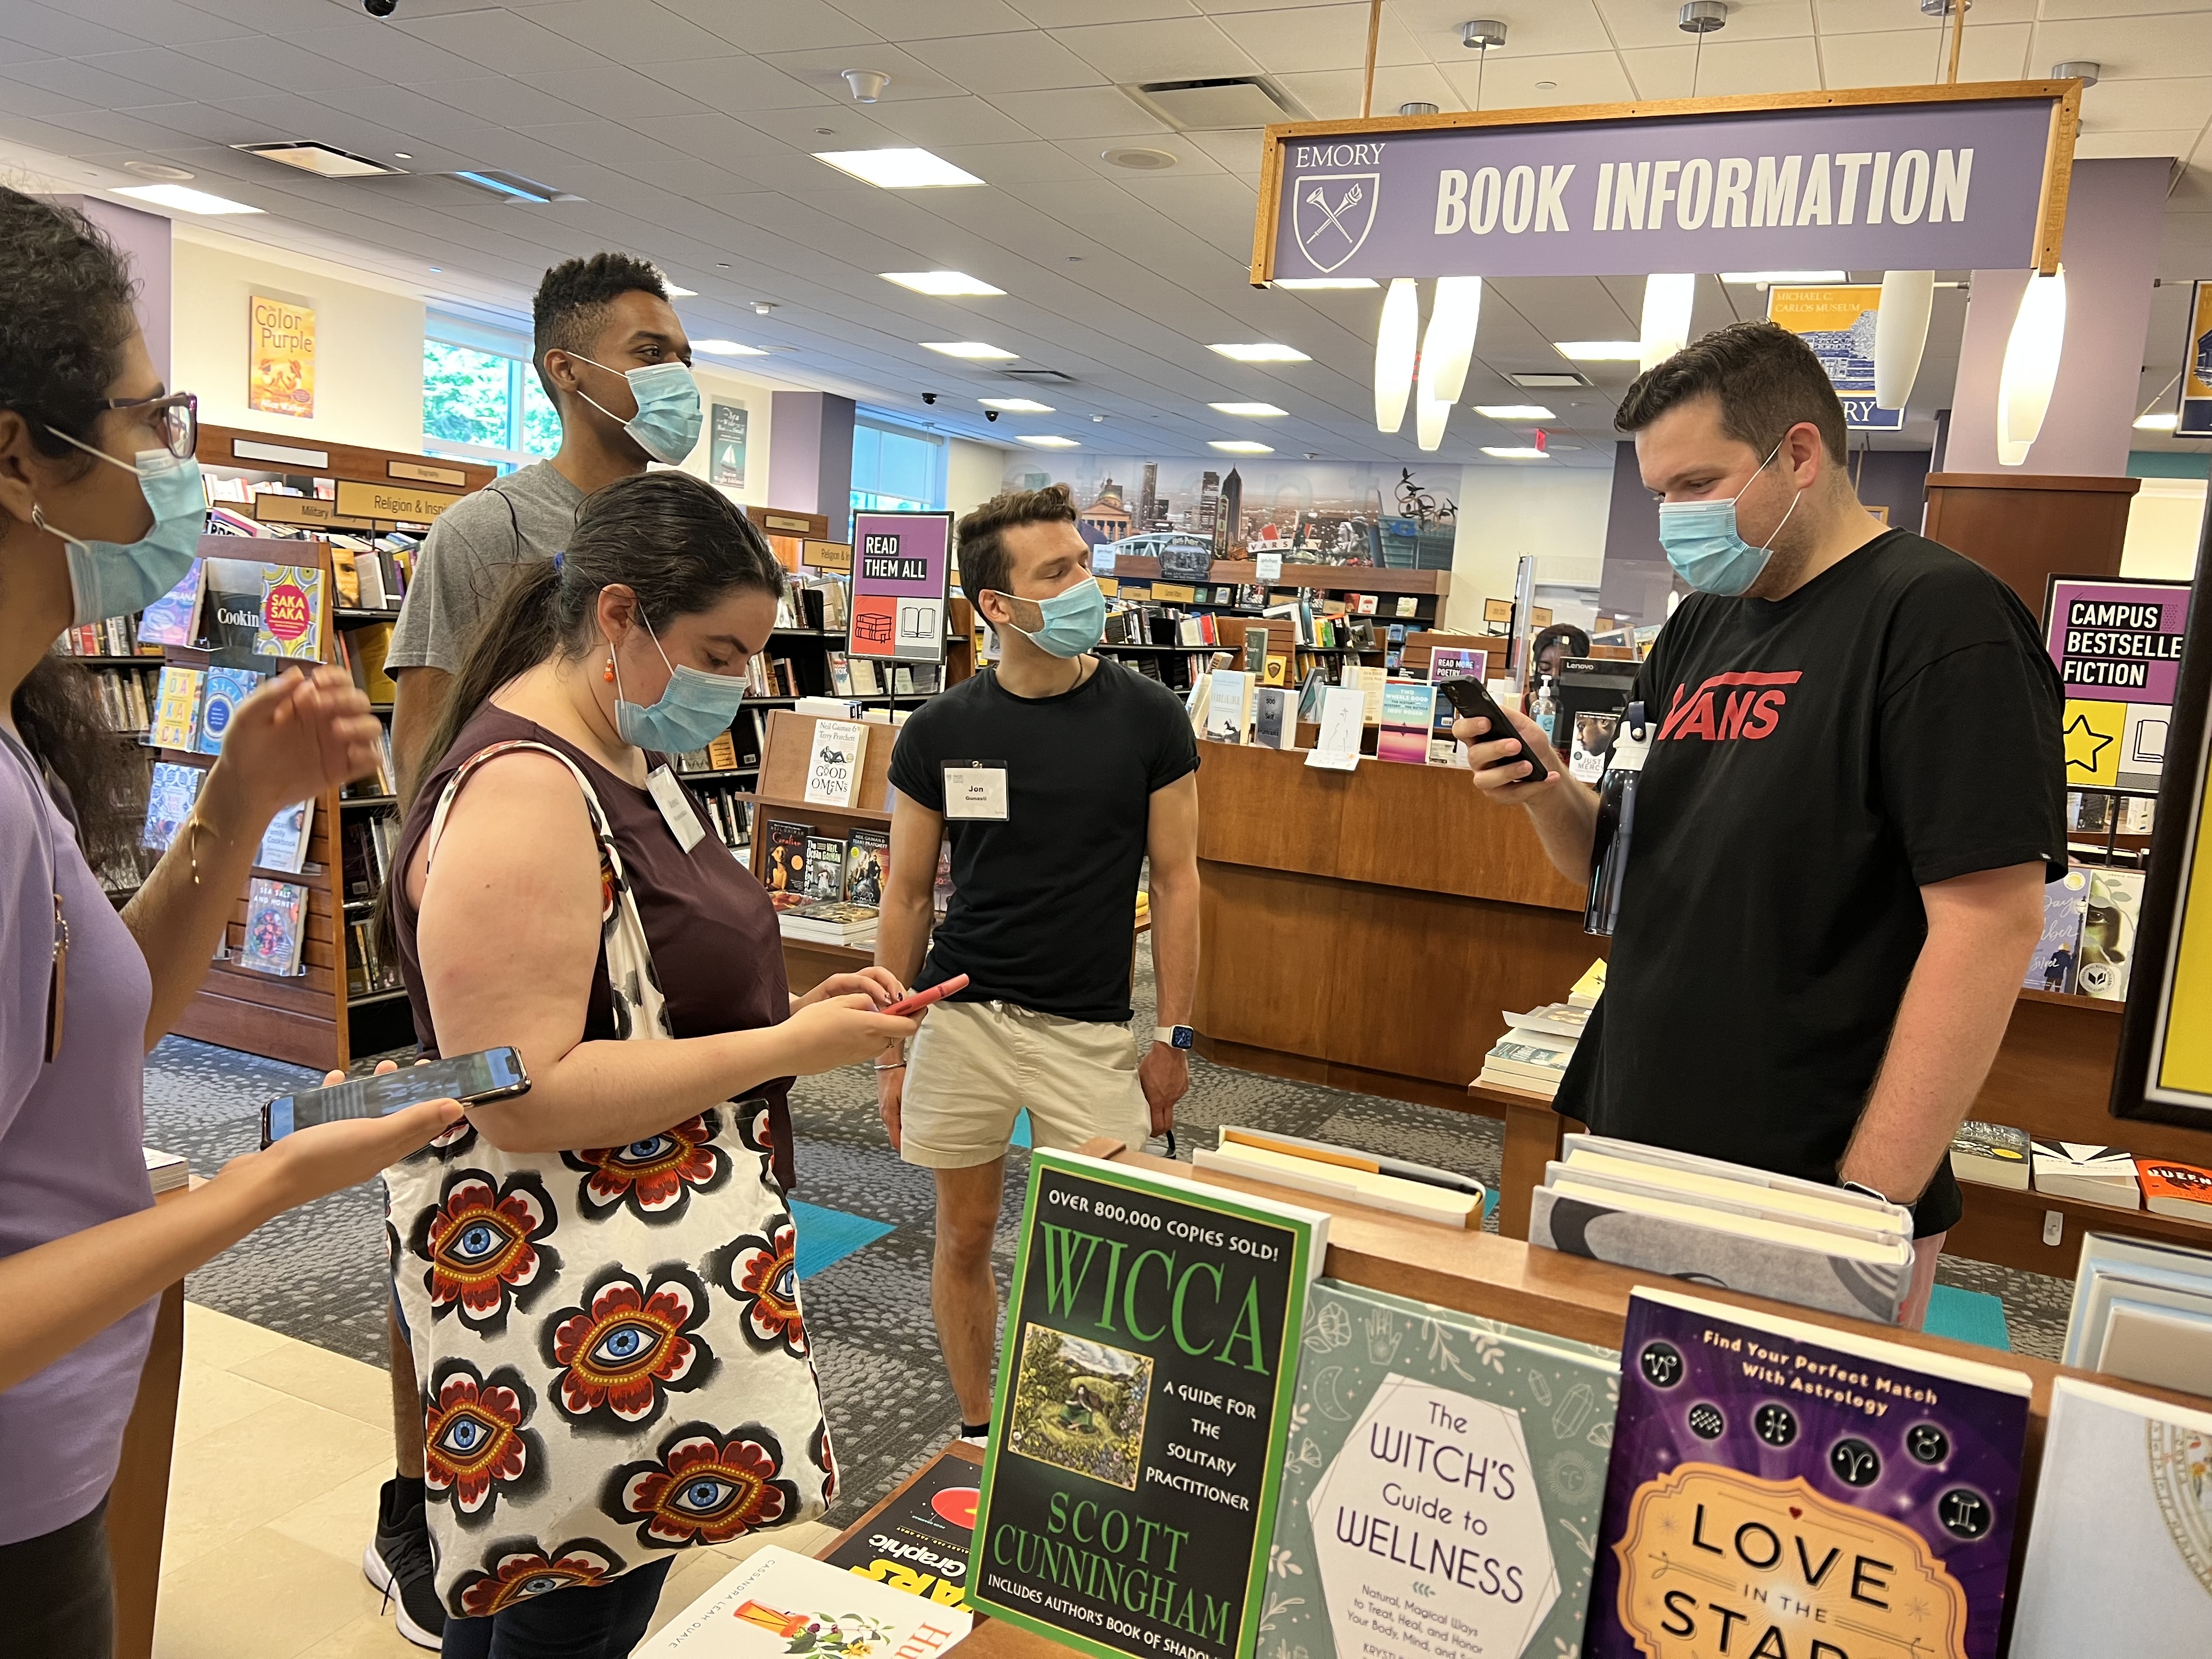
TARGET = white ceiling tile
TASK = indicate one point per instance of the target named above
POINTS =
(613, 91)
(281, 64)
(392, 54)
(143, 133)
(636, 30)
(2123, 8)
(477, 99)
(1334, 95)
(1175, 50)
(49, 31)
(29, 98)
(1557, 26)
(823, 127)
(737, 85)
(1582, 77)
(160, 22)
(210, 122)
(1634, 23)
(1026, 61)
(1079, 113)
(1992, 52)
(935, 122)
(781, 26)
(902, 19)
(1190, 158)
(1065, 13)
(175, 74)
(2147, 141)
(1903, 16)
(1237, 152)
(824, 69)
(1721, 71)
(1310, 38)
(2124, 106)
(711, 136)
(2130, 49)
(503, 41)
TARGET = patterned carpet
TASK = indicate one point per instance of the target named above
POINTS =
(319, 1273)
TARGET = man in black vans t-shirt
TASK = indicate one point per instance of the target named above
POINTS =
(1853, 799)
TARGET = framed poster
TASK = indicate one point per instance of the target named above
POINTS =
(1838, 323)
(2193, 414)
(2164, 1068)
(280, 378)
(2117, 641)
(726, 451)
(902, 572)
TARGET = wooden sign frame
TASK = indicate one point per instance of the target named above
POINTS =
(2065, 98)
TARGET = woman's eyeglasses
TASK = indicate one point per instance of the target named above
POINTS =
(173, 417)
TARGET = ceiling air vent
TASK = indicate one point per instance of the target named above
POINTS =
(513, 186)
(1218, 104)
(1038, 376)
(1549, 379)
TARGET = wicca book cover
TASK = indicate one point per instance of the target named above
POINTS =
(1144, 1385)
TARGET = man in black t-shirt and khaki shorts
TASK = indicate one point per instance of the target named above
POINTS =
(1853, 797)
(1058, 774)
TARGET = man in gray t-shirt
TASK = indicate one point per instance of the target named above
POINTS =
(596, 319)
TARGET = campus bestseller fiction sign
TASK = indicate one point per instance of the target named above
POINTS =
(1909, 179)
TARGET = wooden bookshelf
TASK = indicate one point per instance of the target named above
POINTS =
(781, 795)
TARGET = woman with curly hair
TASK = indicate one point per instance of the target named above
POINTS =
(101, 512)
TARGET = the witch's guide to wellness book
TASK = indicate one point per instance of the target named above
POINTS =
(1442, 1487)
(1143, 1398)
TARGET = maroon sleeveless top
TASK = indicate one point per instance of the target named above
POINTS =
(715, 944)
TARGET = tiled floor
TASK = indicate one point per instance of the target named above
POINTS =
(281, 1448)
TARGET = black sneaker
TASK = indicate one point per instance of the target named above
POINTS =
(398, 1563)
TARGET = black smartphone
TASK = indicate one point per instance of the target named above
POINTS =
(494, 1074)
(1469, 698)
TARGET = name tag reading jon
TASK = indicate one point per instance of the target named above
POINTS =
(975, 790)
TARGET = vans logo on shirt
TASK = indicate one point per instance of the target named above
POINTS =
(1729, 706)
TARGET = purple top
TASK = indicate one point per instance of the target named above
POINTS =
(71, 1140)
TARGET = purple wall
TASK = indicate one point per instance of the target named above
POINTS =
(1896, 479)
(810, 457)
(2113, 217)
(1637, 577)
(144, 238)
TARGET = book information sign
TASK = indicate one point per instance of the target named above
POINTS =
(1144, 1401)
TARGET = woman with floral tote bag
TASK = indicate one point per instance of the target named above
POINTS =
(596, 1276)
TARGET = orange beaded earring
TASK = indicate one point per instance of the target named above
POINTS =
(607, 672)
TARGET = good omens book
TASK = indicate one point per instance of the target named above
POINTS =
(1145, 1390)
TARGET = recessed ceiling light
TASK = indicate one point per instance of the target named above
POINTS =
(727, 348)
(1548, 379)
(2156, 422)
(1769, 278)
(514, 187)
(1515, 411)
(321, 160)
(401, 155)
(1600, 351)
(897, 169)
(1262, 351)
(1240, 447)
(974, 350)
(1294, 283)
(1138, 159)
(154, 170)
(184, 200)
(1016, 405)
(1256, 410)
(951, 284)
(1514, 453)
(677, 290)
(1047, 441)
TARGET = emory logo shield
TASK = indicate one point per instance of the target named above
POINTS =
(1331, 214)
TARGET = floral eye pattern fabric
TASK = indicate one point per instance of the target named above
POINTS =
(564, 1306)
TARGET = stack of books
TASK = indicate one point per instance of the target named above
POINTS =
(2143, 1311)
(1533, 1054)
(1725, 1224)
(1991, 1155)
(2093, 1175)
(1346, 1175)
(831, 921)
(167, 1171)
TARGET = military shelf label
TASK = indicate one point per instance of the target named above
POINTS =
(1137, 1446)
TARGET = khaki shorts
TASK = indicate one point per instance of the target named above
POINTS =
(974, 1066)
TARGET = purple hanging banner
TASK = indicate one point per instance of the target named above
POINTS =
(1903, 179)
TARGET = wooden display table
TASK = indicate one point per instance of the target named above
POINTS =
(1544, 1291)
(138, 1502)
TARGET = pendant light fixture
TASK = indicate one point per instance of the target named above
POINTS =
(1900, 334)
(1446, 349)
(1666, 330)
(2031, 367)
(1396, 343)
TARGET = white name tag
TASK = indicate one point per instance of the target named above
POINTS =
(675, 811)
(975, 790)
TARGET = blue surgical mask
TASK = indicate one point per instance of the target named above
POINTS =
(694, 708)
(1073, 622)
(1702, 543)
(668, 418)
(114, 578)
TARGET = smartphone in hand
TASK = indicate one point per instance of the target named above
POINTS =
(914, 1002)
(1470, 697)
(472, 1079)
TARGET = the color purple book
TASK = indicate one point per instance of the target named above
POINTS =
(1783, 1488)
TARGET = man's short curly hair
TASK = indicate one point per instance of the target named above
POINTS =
(1767, 380)
(983, 558)
(573, 300)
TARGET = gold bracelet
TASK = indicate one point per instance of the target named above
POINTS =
(192, 845)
